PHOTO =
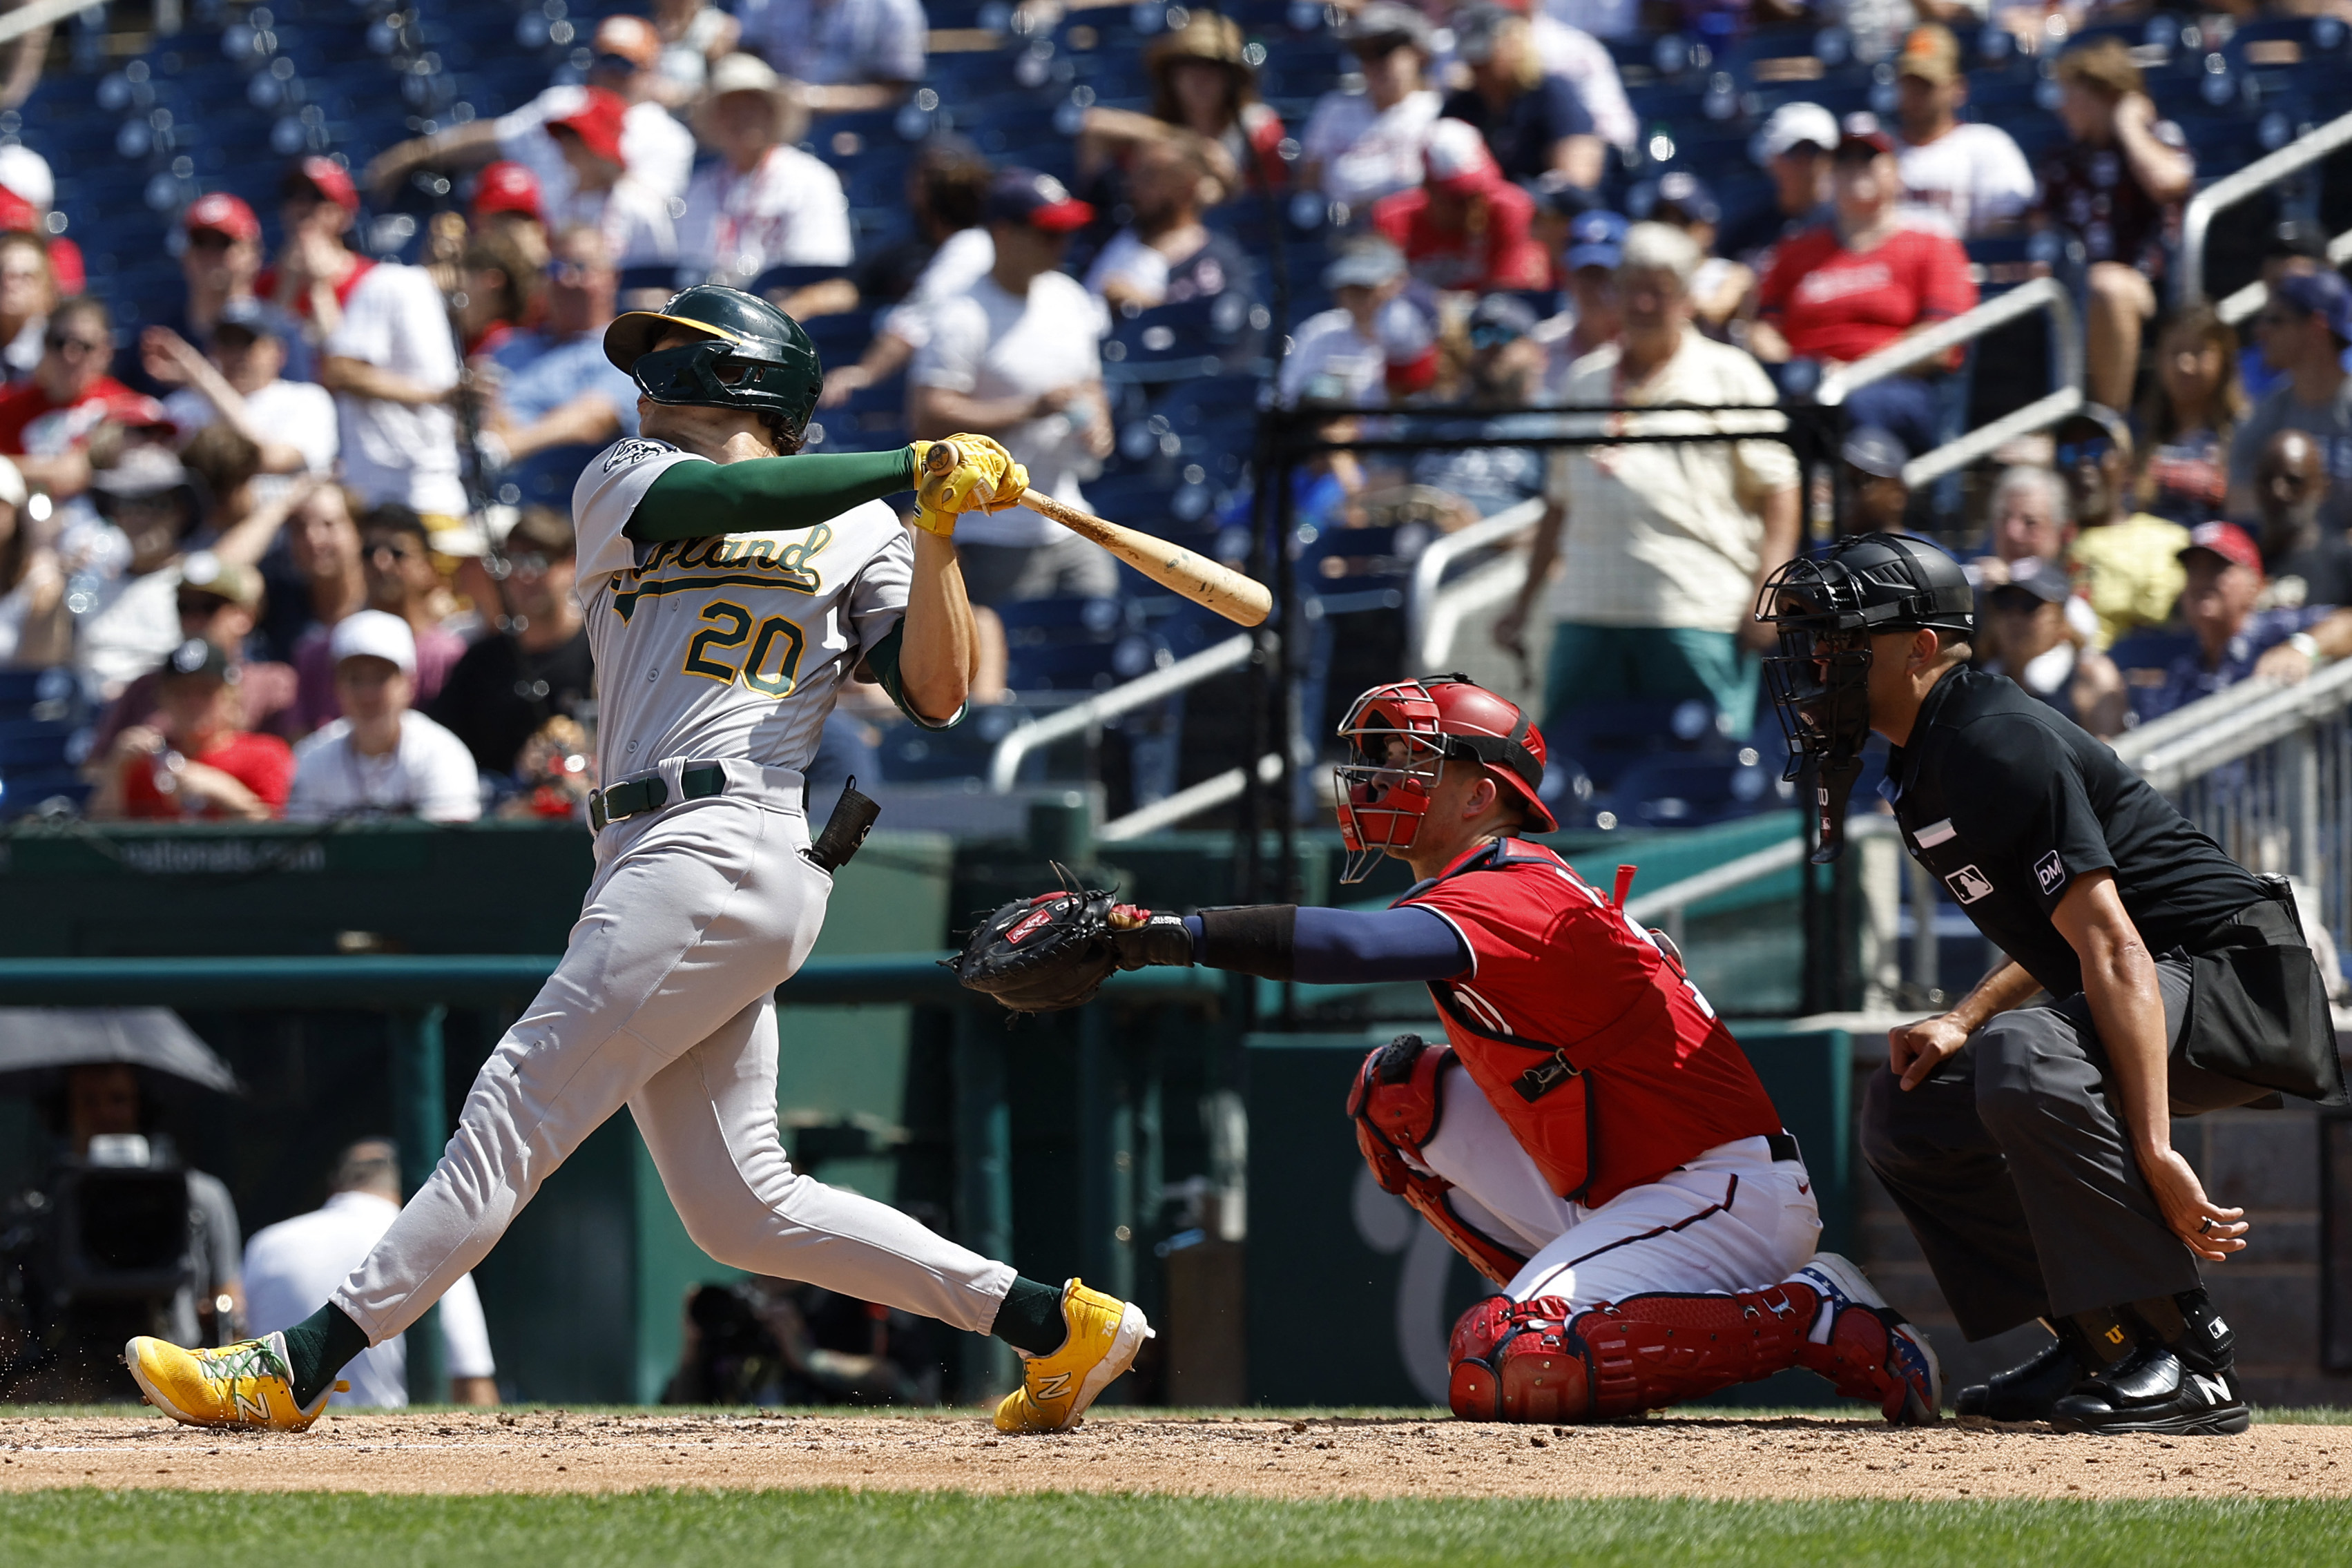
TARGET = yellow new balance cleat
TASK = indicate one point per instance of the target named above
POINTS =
(1105, 1334)
(245, 1384)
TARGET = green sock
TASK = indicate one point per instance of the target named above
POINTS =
(1031, 1318)
(319, 1346)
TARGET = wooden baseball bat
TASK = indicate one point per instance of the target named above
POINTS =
(1242, 600)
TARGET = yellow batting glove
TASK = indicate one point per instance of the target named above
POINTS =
(983, 476)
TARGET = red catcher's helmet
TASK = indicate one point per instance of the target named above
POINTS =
(1399, 738)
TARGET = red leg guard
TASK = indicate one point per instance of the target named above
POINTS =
(1530, 1361)
(1859, 1361)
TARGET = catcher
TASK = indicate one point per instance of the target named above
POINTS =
(1590, 1136)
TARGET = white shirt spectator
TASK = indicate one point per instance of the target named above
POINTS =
(1665, 534)
(659, 150)
(292, 1267)
(831, 42)
(987, 344)
(131, 623)
(396, 320)
(300, 413)
(430, 774)
(1330, 361)
(1973, 174)
(1366, 154)
(962, 259)
(789, 211)
(1586, 62)
(633, 218)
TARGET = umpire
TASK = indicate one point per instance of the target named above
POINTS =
(2026, 1134)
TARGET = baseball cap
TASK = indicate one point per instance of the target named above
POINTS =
(2324, 294)
(2046, 580)
(1794, 124)
(742, 73)
(1500, 318)
(506, 187)
(2295, 237)
(221, 212)
(545, 529)
(143, 470)
(250, 315)
(1596, 239)
(1387, 22)
(1367, 264)
(1863, 132)
(2095, 419)
(1475, 28)
(196, 659)
(2229, 542)
(1019, 195)
(327, 178)
(1876, 451)
(373, 635)
(1931, 54)
(631, 37)
(1454, 159)
(597, 122)
(229, 580)
(27, 173)
(1688, 195)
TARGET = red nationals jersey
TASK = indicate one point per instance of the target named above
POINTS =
(1605, 1062)
(1832, 303)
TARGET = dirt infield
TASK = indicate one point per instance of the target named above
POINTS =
(1794, 1456)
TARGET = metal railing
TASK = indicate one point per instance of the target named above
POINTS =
(2040, 293)
(2267, 771)
(1187, 803)
(2235, 307)
(1004, 763)
(2227, 191)
(1434, 609)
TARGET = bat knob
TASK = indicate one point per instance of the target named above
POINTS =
(942, 457)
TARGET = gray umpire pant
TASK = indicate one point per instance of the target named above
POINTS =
(2012, 1166)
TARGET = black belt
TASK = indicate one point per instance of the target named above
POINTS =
(635, 797)
(1782, 1147)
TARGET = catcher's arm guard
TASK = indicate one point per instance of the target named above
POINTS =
(1395, 1104)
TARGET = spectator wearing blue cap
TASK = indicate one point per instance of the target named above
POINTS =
(1374, 347)
(2303, 332)
(1534, 120)
(2024, 632)
(1596, 245)
(1662, 545)
(1686, 201)
(1017, 358)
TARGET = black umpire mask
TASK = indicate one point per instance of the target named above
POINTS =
(1826, 612)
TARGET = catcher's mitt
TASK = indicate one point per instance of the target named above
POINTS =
(1044, 953)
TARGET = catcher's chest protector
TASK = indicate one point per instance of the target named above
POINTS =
(1539, 1085)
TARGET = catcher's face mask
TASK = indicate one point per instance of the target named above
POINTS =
(1396, 757)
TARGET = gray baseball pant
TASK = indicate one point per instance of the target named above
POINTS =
(664, 1002)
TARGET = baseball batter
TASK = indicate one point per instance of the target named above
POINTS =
(1590, 1136)
(730, 589)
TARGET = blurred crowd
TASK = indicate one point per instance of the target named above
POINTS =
(302, 534)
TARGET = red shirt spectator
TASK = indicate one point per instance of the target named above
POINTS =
(69, 394)
(198, 762)
(1832, 303)
(1466, 226)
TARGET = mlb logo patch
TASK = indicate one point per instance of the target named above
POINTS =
(1968, 884)
(2048, 871)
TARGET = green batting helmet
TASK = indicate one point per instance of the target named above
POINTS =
(752, 355)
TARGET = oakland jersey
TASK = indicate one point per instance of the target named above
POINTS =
(733, 645)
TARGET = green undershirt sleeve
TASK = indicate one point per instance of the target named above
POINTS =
(761, 495)
(882, 662)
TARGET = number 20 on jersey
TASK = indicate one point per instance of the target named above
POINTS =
(716, 652)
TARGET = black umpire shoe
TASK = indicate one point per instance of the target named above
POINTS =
(2026, 1392)
(2180, 1380)
(2155, 1391)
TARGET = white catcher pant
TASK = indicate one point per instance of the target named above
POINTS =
(1732, 1219)
(664, 1003)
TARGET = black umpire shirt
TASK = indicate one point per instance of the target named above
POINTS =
(2008, 802)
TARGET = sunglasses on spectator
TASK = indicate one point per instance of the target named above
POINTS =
(569, 274)
(2074, 453)
(1490, 335)
(2279, 315)
(397, 548)
(209, 239)
(532, 565)
(619, 65)
(68, 345)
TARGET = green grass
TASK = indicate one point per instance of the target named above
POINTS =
(841, 1530)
